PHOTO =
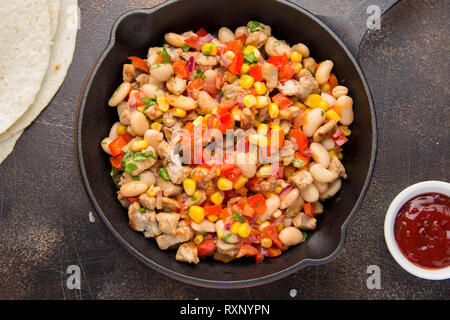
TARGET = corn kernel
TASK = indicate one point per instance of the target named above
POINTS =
(156, 126)
(209, 49)
(235, 227)
(326, 87)
(257, 123)
(153, 190)
(219, 234)
(273, 110)
(263, 225)
(275, 126)
(213, 217)
(198, 194)
(323, 105)
(262, 101)
(266, 242)
(297, 67)
(196, 213)
(296, 56)
(250, 49)
(340, 155)
(263, 129)
(268, 195)
(313, 100)
(346, 131)
(332, 115)
(217, 197)
(332, 153)
(246, 81)
(298, 104)
(280, 227)
(278, 190)
(198, 239)
(189, 186)
(178, 112)
(240, 182)
(245, 68)
(230, 55)
(121, 130)
(236, 113)
(224, 184)
(163, 104)
(259, 140)
(277, 214)
(249, 100)
(265, 171)
(140, 145)
(244, 230)
(260, 87)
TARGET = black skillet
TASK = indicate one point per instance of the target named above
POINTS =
(135, 31)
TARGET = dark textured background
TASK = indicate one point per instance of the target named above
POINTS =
(44, 213)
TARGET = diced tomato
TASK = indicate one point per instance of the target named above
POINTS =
(225, 106)
(202, 32)
(126, 137)
(247, 250)
(236, 46)
(132, 199)
(226, 212)
(286, 73)
(279, 61)
(138, 63)
(135, 99)
(116, 146)
(282, 101)
(256, 73)
(206, 247)
(233, 174)
(307, 207)
(274, 252)
(213, 210)
(272, 233)
(226, 121)
(116, 162)
(259, 258)
(333, 81)
(258, 203)
(248, 211)
(180, 69)
(193, 42)
(300, 139)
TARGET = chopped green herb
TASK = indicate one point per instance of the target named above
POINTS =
(150, 154)
(305, 235)
(254, 26)
(139, 157)
(141, 210)
(225, 238)
(185, 47)
(166, 56)
(208, 53)
(130, 167)
(155, 66)
(298, 163)
(136, 178)
(126, 158)
(276, 43)
(250, 58)
(199, 74)
(237, 217)
(322, 113)
(193, 198)
(149, 102)
(114, 176)
(104, 142)
(258, 204)
(163, 173)
(221, 93)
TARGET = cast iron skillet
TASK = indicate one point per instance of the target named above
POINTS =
(134, 32)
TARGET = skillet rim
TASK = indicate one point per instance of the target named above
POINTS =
(233, 284)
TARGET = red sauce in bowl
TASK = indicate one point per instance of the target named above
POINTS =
(422, 230)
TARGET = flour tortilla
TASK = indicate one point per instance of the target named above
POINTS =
(25, 52)
(53, 10)
(7, 146)
(61, 58)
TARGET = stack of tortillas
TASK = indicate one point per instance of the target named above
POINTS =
(37, 41)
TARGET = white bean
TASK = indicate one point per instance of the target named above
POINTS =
(310, 193)
(206, 103)
(120, 94)
(328, 98)
(174, 39)
(320, 154)
(321, 174)
(291, 236)
(247, 163)
(121, 108)
(323, 71)
(151, 91)
(148, 177)
(226, 35)
(161, 72)
(310, 64)
(276, 47)
(153, 137)
(133, 189)
(321, 186)
(105, 145)
(240, 31)
(314, 120)
(333, 188)
(289, 198)
(302, 49)
(272, 203)
(345, 105)
(328, 143)
(113, 131)
(182, 102)
(287, 222)
(339, 91)
(139, 123)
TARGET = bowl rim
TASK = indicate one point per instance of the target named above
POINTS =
(233, 284)
(404, 196)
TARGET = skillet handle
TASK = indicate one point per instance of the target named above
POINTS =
(352, 26)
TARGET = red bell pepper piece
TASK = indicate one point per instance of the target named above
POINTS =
(307, 207)
(116, 162)
(286, 73)
(202, 32)
(213, 210)
(226, 121)
(225, 106)
(180, 69)
(258, 203)
(236, 46)
(332, 81)
(206, 247)
(132, 199)
(256, 73)
(138, 63)
(300, 139)
(116, 146)
(279, 61)
(226, 212)
(282, 101)
(248, 211)
(247, 250)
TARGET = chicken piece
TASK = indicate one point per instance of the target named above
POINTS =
(168, 222)
(270, 74)
(128, 73)
(176, 85)
(324, 131)
(257, 39)
(143, 221)
(206, 61)
(304, 222)
(301, 179)
(286, 126)
(337, 167)
(268, 185)
(153, 112)
(223, 257)
(263, 115)
(168, 119)
(200, 175)
(141, 166)
(204, 226)
(143, 79)
(228, 249)
(177, 173)
(153, 55)
(167, 204)
(167, 152)
(174, 53)
(317, 207)
(233, 92)
(200, 197)
(287, 152)
(247, 119)
(187, 252)
(295, 207)
(289, 113)
(168, 188)
(184, 233)
(148, 202)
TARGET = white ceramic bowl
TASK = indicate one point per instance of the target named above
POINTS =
(403, 197)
